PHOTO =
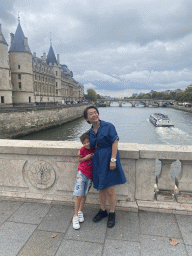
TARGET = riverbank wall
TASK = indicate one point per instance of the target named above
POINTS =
(182, 108)
(46, 171)
(17, 122)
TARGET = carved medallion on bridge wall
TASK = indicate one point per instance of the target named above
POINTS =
(41, 174)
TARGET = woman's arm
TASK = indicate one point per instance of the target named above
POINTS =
(87, 157)
(113, 155)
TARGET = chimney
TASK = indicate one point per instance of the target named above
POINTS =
(34, 54)
(43, 58)
(26, 44)
(57, 58)
(12, 37)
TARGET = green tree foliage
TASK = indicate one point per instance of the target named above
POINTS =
(92, 95)
(185, 96)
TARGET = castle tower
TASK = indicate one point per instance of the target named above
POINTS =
(52, 61)
(5, 78)
(20, 58)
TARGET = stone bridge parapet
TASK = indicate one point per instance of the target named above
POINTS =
(46, 170)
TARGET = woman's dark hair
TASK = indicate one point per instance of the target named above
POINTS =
(84, 136)
(85, 112)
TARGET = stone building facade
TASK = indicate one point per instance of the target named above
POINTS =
(28, 79)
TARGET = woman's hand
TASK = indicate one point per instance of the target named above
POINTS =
(89, 156)
(112, 166)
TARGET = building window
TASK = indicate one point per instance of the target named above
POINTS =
(56, 84)
(35, 77)
(19, 76)
(29, 99)
(19, 66)
(2, 99)
(56, 92)
(56, 73)
(39, 77)
(19, 85)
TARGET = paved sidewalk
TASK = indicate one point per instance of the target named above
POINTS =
(36, 229)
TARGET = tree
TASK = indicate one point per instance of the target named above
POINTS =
(92, 95)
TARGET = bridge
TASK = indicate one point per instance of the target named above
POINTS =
(135, 102)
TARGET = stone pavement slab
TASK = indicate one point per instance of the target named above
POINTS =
(189, 250)
(126, 228)
(37, 229)
(41, 243)
(57, 219)
(161, 224)
(7, 208)
(89, 231)
(13, 236)
(160, 246)
(31, 213)
(74, 248)
(121, 248)
(185, 225)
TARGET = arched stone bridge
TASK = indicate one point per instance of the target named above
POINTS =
(134, 102)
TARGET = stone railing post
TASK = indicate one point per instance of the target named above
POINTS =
(145, 179)
(185, 177)
(165, 181)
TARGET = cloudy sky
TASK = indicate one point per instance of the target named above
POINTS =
(116, 47)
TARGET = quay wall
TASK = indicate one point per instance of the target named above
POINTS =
(46, 171)
(21, 121)
(182, 108)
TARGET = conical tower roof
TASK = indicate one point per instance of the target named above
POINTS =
(18, 43)
(2, 38)
(51, 56)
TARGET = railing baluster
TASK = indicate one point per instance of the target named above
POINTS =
(185, 176)
(165, 181)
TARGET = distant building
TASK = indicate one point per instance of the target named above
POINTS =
(25, 78)
(167, 91)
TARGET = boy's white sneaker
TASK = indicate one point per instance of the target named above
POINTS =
(81, 217)
(76, 222)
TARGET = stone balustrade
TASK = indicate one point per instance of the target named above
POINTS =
(46, 170)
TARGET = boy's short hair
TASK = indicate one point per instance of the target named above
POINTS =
(84, 136)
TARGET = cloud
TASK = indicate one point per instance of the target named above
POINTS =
(110, 45)
(148, 77)
(89, 86)
(94, 75)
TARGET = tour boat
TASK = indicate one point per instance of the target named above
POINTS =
(160, 120)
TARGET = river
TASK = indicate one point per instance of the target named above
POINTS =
(132, 125)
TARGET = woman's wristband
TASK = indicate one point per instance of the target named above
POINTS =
(113, 160)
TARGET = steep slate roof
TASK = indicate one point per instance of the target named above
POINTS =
(51, 56)
(2, 38)
(17, 44)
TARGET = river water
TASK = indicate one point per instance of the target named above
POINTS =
(132, 125)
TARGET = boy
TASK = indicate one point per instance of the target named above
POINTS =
(84, 179)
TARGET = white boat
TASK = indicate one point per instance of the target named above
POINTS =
(160, 120)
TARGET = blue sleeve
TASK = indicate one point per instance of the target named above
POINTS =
(112, 134)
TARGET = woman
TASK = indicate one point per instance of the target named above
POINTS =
(107, 170)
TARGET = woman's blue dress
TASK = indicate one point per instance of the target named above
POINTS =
(103, 177)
